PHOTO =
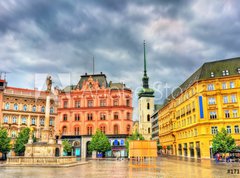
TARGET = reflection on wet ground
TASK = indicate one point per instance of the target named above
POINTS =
(171, 167)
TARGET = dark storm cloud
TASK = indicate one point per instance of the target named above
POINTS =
(63, 36)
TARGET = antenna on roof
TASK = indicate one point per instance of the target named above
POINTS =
(93, 65)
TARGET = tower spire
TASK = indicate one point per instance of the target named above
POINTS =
(145, 77)
(145, 63)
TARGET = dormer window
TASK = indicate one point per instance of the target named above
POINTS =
(238, 70)
(227, 72)
(212, 74)
(223, 72)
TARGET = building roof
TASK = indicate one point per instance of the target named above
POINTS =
(208, 70)
(101, 78)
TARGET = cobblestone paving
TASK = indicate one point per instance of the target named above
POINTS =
(160, 168)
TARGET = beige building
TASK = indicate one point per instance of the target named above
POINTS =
(24, 108)
(145, 105)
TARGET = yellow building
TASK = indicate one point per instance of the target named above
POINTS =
(206, 102)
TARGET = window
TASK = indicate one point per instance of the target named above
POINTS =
(89, 130)
(225, 99)
(77, 104)
(234, 98)
(7, 106)
(232, 85)
(25, 107)
(34, 108)
(42, 121)
(14, 134)
(51, 122)
(214, 130)
(90, 103)
(236, 129)
(238, 70)
(64, 130)
(128, 129)
(128, 116)
(102, 103)
(148, 106)
(115, 129)
(24, 120)
(115, 116)
(43, 109)
(15, 106)
(51, 110)
(127, 102)
(224, 85)
(102, 116)
(212, 74)
(211, 100)
(210, 87)
(235, 113)
(33, 121)
(5, 120)
(103, 129)
(77, 117)
(14, 120)
(229, 129)
(89, 116)
(227, 114)
(149, 130)
(195, 132)
(65, 117)
(115, 103)
(65, 104)
(213, 114)
(148, 117)
(76, 130)
(227, 72)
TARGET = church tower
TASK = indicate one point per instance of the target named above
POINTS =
(145, 104)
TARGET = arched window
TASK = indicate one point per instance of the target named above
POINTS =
(25, 107)
(7, 106)
(14, 119)
(148, 117)
(102, 116)
(77, 130)
(51, 110)
(15, 106)
(5, 119)
(103, 129)
(89, 130)
(51, 122)
(24, 120)
(148, 105)
(42, 121)
(43, 109)
(115, 129)
(64, 130)
(34, 108)
(33, 121)
(14, 134)
(65, 117)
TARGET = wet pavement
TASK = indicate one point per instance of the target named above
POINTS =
(167, 167)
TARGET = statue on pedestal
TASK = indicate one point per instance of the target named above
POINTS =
(49, 83)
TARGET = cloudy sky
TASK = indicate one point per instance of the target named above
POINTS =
(61, 37)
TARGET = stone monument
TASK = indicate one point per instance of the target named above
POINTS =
(46, 151)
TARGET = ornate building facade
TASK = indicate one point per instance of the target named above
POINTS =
(22, 108)
(95, 104)
(145, 105)
(206, 102)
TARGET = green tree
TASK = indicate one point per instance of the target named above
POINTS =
(67, 147)
(223, 142)
(134, 136)
(5, 145)
(99, 142)
(22, 139)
